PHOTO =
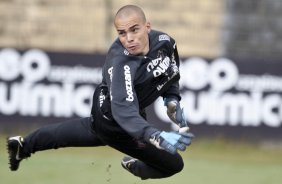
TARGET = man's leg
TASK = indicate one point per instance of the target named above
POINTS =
(73, 133)
(153, 163)
(147, 161)
(150, 162)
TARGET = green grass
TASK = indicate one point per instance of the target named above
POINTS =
(206, 162)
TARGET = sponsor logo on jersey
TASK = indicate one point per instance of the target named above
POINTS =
(174, 45)
(102, 98)
(128, 84)
(126, 52)
(110, 72)
(159, 66)
(164, 37)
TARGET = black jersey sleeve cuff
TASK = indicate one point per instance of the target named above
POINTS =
(175, 97)
(148, 133)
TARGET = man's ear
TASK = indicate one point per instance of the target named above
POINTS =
(148, 26)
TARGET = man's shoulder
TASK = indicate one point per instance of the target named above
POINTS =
(117, 55)
(159, 36)
(117, 49)
(160, 39)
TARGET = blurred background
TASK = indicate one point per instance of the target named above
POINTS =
(203, 28)
(51, 54)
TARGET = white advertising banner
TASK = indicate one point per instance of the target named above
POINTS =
(220, 96)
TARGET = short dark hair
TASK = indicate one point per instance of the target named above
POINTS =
(129, 9)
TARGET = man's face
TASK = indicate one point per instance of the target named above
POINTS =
(133, 34)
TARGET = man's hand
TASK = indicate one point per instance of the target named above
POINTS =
(171, 141)
(175, 113)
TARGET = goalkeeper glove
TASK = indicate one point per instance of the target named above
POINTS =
(174, 112)
(171, 141)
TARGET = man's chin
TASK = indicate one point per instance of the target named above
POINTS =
(135, 53)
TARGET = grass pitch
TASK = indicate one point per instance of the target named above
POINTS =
(212, 162)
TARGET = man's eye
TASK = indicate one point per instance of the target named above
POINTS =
(121, 33)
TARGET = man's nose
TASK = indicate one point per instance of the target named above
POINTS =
(129, 37)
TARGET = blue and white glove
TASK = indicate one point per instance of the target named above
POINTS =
(175, 113)
(171, 141)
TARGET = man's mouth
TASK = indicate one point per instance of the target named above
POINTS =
(132, 47)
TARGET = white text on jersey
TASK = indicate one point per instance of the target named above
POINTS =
(162, 66)
(128, 85)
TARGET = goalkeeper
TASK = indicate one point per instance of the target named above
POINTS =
(141, 65)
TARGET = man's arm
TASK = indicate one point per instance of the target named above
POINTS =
(124, 102)
(125, 110)
(173, 91)
(172, 96)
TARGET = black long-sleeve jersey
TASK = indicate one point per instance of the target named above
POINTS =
(134, 82)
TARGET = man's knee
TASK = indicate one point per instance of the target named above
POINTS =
(175, 167)
(178, 167)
